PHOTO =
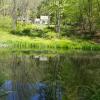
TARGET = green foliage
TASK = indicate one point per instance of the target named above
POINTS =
(80, 15)
(30, 31)
(66, 44)
(34, 31)
(5, 23)
(49, 29)
(96, 96)
(2, 78)
(27, 30)
(51, 35)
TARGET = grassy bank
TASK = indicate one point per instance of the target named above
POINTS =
(29, 36)
(25, 42)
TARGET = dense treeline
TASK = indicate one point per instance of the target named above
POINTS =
(82, 16)
(18, 8)
(67, 17)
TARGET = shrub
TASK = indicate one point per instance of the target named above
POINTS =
(16, 32)
(37, 33)
(5, 23)
(49, 29)
(51, 35)
(26, 32)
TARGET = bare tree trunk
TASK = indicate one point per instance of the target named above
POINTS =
(58, 18)
(90, 16)
(14, 15)
(58, 21)
(98, 7)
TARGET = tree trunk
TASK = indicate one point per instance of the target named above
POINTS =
(58, 19)
(14, 15)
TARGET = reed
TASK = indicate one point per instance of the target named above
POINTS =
(29, 43)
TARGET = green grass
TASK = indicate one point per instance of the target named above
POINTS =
(28, 42)
(5, 23)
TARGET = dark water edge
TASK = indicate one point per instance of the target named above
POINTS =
(49, 75)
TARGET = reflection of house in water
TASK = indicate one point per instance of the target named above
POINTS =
(42, 20)
(41, 58)
(30, 78)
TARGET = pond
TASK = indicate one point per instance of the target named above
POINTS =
(37, 75)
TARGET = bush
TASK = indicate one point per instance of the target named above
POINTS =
(16, 32)
(34, 31)
(49, 29)
(37, 33)
(26, 32)
(51, 35)
(5, 23)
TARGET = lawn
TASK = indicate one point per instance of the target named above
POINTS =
(29, 42)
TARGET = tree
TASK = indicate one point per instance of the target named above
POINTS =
(14, 14)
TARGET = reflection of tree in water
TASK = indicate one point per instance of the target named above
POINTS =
(81, 76)
(77, 75)
(29, 70)
(54, 91)
(71, 76)
(26, 71)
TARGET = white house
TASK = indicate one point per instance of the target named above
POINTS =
(24, 19)
(37, 21)
(42, 20)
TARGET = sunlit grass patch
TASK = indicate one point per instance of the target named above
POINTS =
(24, 42)
(48, 40)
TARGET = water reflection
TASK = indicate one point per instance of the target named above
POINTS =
(69, 76)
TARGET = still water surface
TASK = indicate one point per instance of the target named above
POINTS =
(29, 75)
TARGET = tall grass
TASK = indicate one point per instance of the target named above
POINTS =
(28, 43)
